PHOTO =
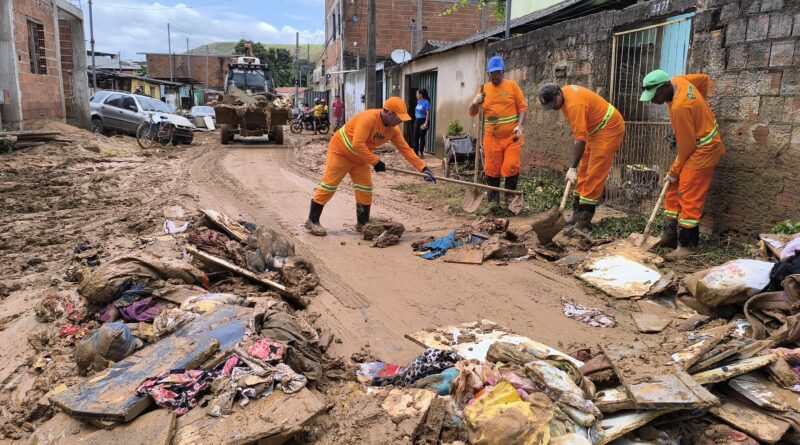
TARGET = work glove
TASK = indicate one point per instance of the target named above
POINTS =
(430, 177)
(572, 175)
(671, 179)
(673, 142)
(478, 98)
(379, 167)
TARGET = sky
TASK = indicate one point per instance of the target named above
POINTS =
(136, 26)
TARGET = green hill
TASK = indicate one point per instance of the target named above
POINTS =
(227, 48)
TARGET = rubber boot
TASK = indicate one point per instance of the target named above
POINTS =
(688, 240)
(583, 219)
(362, 216)
(510, 184)
(669, 233)
(491, 195)
(572, 218)
(312, 224)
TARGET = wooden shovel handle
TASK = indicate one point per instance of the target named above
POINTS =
(564, 198)
(654, 213)
(455, 181)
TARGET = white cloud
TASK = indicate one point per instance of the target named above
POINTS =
(141, 26)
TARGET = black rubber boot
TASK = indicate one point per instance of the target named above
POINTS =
(312, 224)
(362, 216)
(510, 184)
(491, 195)
(576, 200)
(583, 219)
(688, 241)
(669, 233)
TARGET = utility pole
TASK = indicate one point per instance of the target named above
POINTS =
(370, 87)
(169, 48)
(91, 42)
(297, 70)
(508, 19)
(413, 27)
(483, 17)
(206, 66)
(420, 40)
(188, 61)
(309, 67)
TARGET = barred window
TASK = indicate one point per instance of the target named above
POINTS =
(36, 47)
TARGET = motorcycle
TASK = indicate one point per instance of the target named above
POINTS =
(305, 121)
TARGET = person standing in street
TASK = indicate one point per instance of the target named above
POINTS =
(504, 110)
(598, 129)
(422, 114)
(338, 112)
(699, 147)
(350, 151)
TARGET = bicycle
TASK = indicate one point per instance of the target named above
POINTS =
(148, 133)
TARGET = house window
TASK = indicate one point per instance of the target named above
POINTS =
(36, 47)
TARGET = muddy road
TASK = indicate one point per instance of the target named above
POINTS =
(372, 297)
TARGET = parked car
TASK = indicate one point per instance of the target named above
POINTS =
(122, 111)
(198, 112)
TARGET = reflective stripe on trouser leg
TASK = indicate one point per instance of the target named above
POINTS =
(361, 175)
(501, 156)
(336, 167)
(693, 185)
(601, 155)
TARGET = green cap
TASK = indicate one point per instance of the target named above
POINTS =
(651, 83)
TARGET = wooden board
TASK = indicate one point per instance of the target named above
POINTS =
(704, 342)
(153, 428)
(764, 392)
(110, 395)
(656, 384)
(231, 227)
(750, 420)
(775, 242)
(650, 323)
(275, 418)
(464, 256)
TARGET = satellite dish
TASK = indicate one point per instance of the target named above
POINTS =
(401, 56)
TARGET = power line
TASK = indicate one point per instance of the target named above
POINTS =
(162, 9)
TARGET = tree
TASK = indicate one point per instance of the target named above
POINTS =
(279, 60)
(499, 7)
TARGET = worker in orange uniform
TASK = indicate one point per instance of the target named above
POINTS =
(699, 151)
(504, 111)
(350, 152)
(598, 129)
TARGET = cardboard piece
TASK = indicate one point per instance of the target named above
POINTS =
(111, 394)
(464, 255)
(622, 271)
(749, 420)
(655, 386)
(274, 419)
(650, 323)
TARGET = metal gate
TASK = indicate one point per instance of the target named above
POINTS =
(645, 155)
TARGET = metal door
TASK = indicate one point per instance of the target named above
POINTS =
(645, 155)
(428, 81)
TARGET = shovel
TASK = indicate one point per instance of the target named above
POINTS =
(643, 240)
(472, 200)
(549, 223)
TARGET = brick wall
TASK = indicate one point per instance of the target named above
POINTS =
(158, 67)
(67, 65)
(751, 51)
(41, 94)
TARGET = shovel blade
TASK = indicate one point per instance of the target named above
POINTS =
(636, 240)
(516, 204)
(548, 224)
(472, 200)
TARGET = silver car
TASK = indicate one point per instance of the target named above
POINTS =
(121, 111)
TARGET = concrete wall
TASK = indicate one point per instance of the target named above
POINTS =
(354, 87)
(9, 81)
(460, 74)
(751, 50)
(74, 76)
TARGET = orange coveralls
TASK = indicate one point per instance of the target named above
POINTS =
(501, 108)
(600, 125)
(699, 149)
(350, 151)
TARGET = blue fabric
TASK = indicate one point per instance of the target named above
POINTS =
(495, 64)
(421, 111)
(439, 247)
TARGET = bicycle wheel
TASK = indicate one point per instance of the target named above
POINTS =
(145, 136)
(296, 127)
(166, 134)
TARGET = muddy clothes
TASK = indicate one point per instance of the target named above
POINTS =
(350, 152)
(600, 125)
(699, 149)
(432, 361)
(501, 108)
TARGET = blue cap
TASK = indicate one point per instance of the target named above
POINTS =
(495, 64)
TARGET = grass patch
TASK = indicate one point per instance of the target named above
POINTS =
(786, 227)
(438, 195)
(541, 194)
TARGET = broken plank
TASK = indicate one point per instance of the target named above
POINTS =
(650, 323)
(764, 392)
(281, 289)
(276, 418)
(613, 427)
(464, 256)
(231, 227)
(111, 394)
(750, 420)
(708, 339)
(655, 384)
(153, 428)
(595, 364)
